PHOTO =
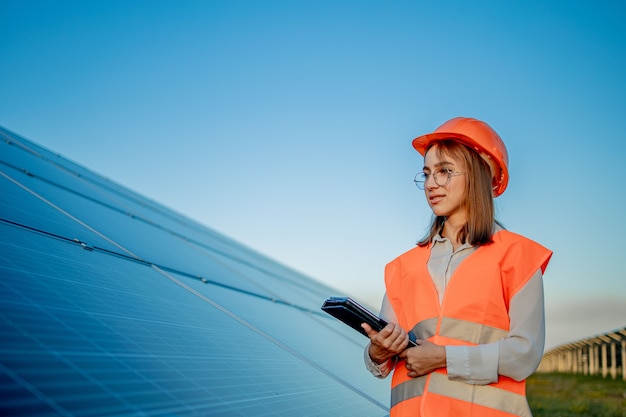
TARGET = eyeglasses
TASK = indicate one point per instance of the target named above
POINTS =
(441, 176)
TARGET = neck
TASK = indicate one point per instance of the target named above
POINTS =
(451, 228)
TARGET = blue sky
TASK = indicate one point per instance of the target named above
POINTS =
(287, 125)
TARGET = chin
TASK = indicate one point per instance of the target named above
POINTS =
(439, 212)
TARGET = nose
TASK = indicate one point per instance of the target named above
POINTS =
(430, 183)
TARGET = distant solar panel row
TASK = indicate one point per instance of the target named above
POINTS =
(111, 304)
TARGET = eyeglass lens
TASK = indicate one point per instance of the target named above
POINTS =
(441, 177)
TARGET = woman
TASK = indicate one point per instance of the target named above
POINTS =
(471, 291)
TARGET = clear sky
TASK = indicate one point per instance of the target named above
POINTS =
(287, 125)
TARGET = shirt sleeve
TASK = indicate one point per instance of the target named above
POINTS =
(518, 355)
(384, 369)
(378, 370)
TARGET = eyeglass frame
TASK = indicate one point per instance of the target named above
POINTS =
(421, 184)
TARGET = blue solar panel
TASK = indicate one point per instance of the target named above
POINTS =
(111, 304)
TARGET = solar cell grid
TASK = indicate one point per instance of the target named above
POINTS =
(28, 152)
(144, 376)
(35, 168)
(93, 332)
(19, 206)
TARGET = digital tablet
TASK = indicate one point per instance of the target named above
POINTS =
(353, 314)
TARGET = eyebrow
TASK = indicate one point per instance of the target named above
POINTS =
(440, 164)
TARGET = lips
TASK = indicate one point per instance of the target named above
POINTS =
(435, 198)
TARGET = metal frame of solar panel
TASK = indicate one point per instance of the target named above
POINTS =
(111, 304)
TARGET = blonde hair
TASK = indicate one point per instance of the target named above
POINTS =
(479, 200)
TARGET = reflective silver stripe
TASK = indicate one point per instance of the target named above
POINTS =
(425, 328)
(484, 395)
(470, 331)
(409, 389)
(467, 331)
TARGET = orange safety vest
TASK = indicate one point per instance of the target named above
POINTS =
(474, 311)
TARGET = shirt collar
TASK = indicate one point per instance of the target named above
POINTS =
(438, 238)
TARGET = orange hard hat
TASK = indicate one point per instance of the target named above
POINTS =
(479, 136)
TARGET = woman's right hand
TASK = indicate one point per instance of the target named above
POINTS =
(387, 343)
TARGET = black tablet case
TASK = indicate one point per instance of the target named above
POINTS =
(353, 314)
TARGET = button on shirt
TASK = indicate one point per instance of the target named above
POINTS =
(516, 356)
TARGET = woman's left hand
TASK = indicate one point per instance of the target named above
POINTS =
(424, 358)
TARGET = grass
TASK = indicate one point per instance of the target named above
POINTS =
(570, 395)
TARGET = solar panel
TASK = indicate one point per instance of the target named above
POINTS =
(111, 304)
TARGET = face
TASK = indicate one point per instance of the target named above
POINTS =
(445, 200)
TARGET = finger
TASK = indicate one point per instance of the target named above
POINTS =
(401, 339)
(388, 330)
(368, 329)
(399, 345)
(396, 334)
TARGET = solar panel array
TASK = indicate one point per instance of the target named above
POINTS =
(111, 304)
